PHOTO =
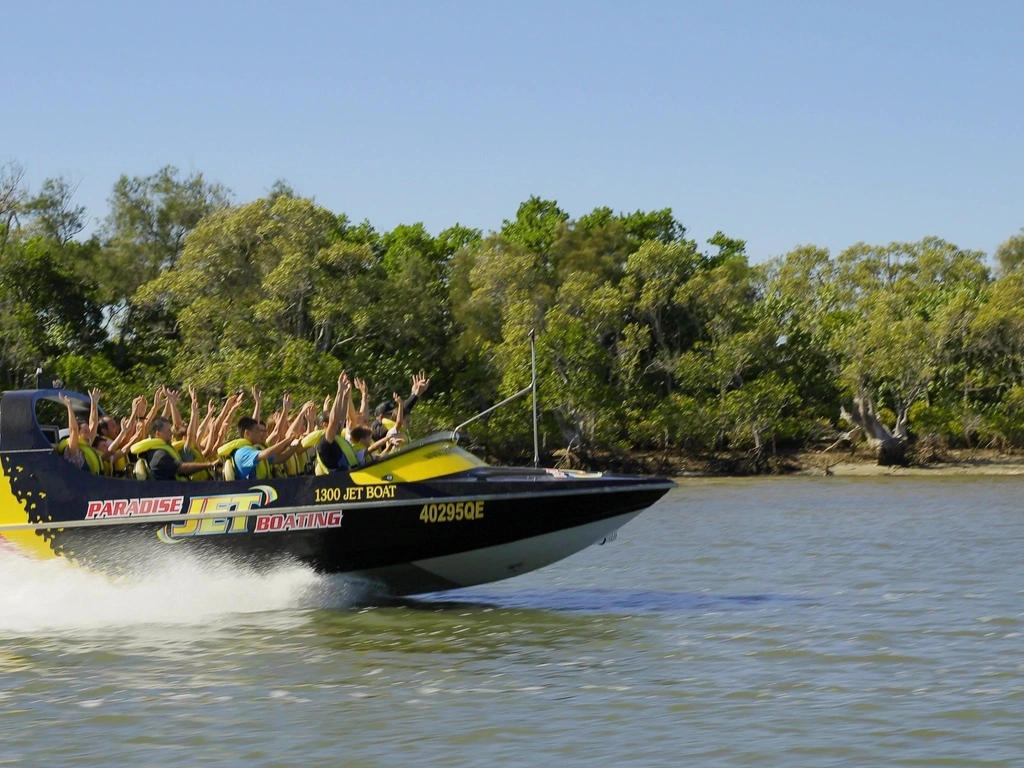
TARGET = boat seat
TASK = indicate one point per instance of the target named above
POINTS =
(228, 468)
(142, 470)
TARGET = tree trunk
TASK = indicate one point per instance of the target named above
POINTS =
(891, 448)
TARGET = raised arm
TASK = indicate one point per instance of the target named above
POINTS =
(257, 404)
(232, 405)
(283, 447)
(364, 402)
(192, 433)
(73, 433)
(340, 407)
(177, 422)
(400, 411)
(420, 384)
(353, 416)
(94, 415)
(207, 430)
(281, 428)
(158, 402)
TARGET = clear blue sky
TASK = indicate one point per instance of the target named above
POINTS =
(781, 123)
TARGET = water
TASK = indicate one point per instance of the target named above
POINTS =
(768, 622)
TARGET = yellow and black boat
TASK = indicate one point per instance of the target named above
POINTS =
(427, 518)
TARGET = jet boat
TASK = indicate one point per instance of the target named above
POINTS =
(427, 518)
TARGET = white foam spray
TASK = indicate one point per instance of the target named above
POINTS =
(46, 596)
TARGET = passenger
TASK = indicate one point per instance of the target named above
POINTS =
(158, 403)
(359, 417)
(162, 460)
(108, 439)
(89, 435)
(219, 428)
(251, 459)
(184, 436)
(291, 466)
(361, 438)
(73, 447)
(333, 452)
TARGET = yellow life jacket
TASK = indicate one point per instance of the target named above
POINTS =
(203, 474)
(106, 466)
(115, 468)
(227, 451)
(112, 468)
(92, 456)
(143, 448)
(346, 449)
(152, 444)
(290, 467)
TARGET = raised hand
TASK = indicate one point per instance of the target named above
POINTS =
(95, 395)
(420, 383)
(172, 396)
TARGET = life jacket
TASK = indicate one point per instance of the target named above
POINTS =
(290, 467)
(115, 468)
(346, 449)
(145, 449)
(191, 453)
(227, 451)
(92, 456)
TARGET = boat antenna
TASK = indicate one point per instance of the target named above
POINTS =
(529, 388)
(533, 385)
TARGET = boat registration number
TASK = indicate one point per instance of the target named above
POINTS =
(451, 511)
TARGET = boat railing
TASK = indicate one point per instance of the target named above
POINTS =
(529, 388)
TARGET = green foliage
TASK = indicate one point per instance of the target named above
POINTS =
(644, 339)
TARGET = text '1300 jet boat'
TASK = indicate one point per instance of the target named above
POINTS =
(427, 518)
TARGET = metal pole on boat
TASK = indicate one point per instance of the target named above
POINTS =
(533, 386)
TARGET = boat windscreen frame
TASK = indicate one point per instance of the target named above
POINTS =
(20, 429)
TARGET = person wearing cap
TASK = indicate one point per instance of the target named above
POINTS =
(387, 413)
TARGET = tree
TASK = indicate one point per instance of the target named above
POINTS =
(150, 217)
(1010, 255)
(12, 197)
(536, 225)
(53, 212)
(897, 332)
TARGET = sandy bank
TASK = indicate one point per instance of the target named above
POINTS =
(965, 463)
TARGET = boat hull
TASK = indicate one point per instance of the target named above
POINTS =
(431, 518)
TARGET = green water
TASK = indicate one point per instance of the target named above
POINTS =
(771, 622)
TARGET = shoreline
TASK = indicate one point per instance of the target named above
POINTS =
(1003, 466)
(948, 463)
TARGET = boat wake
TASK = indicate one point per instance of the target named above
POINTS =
(44, 596)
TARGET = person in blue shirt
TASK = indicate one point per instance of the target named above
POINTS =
(252, 459)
